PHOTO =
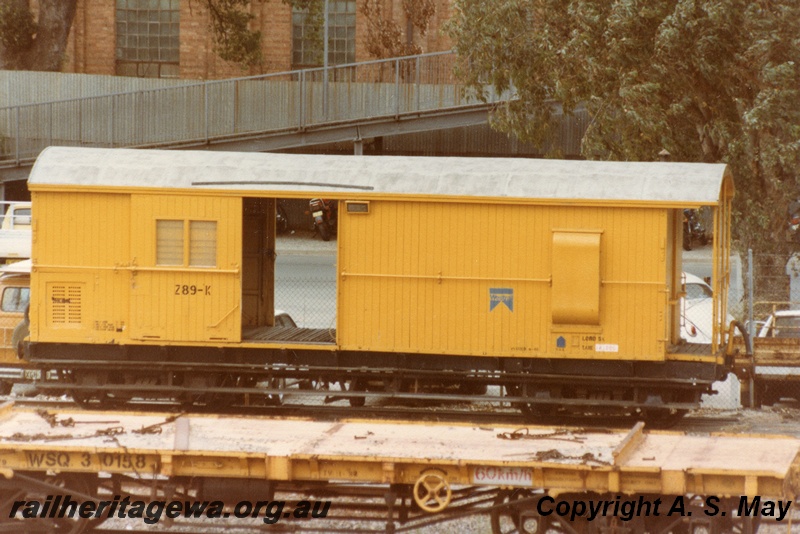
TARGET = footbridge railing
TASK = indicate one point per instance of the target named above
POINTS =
(207, 112)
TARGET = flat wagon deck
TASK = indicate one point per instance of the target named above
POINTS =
(425, 468)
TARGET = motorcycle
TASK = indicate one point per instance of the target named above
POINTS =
(281, 219)
(693, 230)
(324, 212)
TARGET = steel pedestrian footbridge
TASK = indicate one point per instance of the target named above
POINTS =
(343, 103)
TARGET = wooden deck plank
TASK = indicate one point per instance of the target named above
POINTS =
(289, 334)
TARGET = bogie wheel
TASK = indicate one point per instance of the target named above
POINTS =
(613, 525)
(276, 383)
(356, 402)
(766, 396)
(82, 399)
(514, 516)
(724, 522)
(94, 399)
(528, 409)
(472, 388)
(749, 525)
(70, 485)
(79, 525)
(664, 418)
(197, 384)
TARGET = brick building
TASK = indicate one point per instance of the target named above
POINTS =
(171, 38)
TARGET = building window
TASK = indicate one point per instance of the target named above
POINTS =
(174, 246)
(307, 32)
(147, 38)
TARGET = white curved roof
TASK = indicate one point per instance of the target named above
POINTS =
(18, 267)
(682, 184)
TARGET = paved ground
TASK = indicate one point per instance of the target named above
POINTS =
(304, 242)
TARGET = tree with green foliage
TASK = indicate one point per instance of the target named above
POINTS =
(709, 81)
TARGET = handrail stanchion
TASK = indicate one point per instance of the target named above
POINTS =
(16, 137)
(205, 105)
(397, 88)
(417, 76)
(111, 123)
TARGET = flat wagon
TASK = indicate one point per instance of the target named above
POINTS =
(151, 469)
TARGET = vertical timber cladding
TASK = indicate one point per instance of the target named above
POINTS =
(478, 279)
(80, 285)
(609, 287)
(187, 254)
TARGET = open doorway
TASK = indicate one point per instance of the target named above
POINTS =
(262, 317)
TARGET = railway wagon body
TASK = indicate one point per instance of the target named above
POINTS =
(560, 280)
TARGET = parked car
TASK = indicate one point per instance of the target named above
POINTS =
(15, 231)
(14, 297)
(697, 310)
(784, 323)
(777, 350)
(284, 319)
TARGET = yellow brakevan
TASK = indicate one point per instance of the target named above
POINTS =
(560, 280)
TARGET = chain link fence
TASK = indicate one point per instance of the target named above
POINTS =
(773, 321)
(765, 297)
(776, 286)
(311, 302)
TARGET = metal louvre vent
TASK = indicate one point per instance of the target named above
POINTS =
(65, 304)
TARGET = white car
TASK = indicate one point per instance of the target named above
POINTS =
(697, 310)
(784, 323)
(284, 319)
